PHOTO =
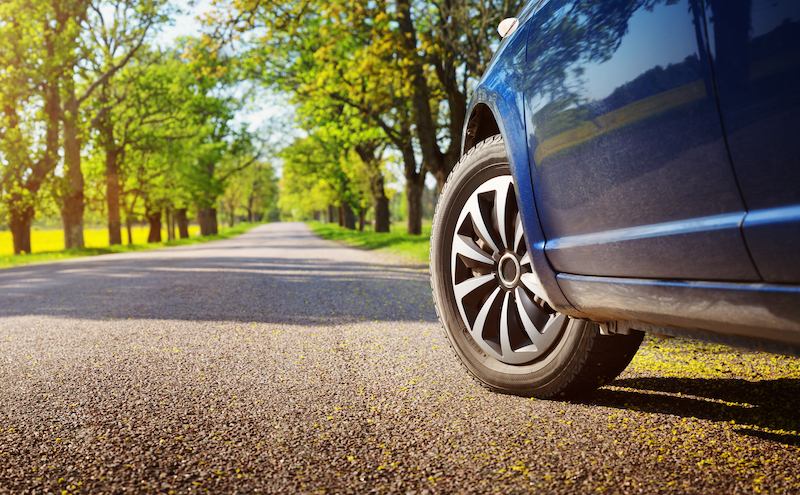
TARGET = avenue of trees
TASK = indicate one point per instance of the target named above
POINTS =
(98, 119)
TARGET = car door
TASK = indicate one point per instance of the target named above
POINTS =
(755, 49)
(630, 171)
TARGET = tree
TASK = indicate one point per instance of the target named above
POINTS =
(443, 47)
(29, 112)
(143, 107)
(91, 51)
(314, 177)
(170, 114)
(252, 193)
(327, 61)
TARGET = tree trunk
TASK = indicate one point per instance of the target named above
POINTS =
(114, 223)
(427, 128)
(348, 217)
(20, 226)
(20, 208)
(72, 212)
(130, 231)
(380, 204)
(415, 185)
(114, 154)
(154, 217)
(170, 224)
(213, 219)
(361, 212)
(202, 213)
(207, 218)
(414, 189)
(183, 223)
(367, 151)
(112, 193)
(331, 218)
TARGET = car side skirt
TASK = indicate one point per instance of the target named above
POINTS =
(767, 316)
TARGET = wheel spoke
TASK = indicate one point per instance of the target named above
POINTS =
(541, 335)
(553, 325)
(483, 314)
(500, 205)
(473, 206)
(517, 232)
(466, 247)
(527, 324)
(525, 260)
(530, 281)
(466, 287)
(505, 339)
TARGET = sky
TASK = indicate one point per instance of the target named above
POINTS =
(186, 23)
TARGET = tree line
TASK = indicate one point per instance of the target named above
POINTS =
(94, 114)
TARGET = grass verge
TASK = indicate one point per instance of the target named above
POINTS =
(25, 259)
(413, 247)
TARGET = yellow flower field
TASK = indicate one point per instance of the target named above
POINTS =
(53, 240)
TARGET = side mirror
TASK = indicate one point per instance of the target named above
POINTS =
(508, 26)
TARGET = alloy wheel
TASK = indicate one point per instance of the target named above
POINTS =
(493, 283)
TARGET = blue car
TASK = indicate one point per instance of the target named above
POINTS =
(628, 166)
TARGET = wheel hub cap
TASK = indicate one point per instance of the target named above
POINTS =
(509, 270)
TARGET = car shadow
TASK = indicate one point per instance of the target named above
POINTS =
(766, 409)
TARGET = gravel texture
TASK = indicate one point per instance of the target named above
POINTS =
(276, 362)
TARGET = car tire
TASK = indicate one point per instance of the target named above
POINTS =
(504, 333)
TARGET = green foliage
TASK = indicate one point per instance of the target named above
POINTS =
(92, 116)
(374, 75)
(320, 170)
(251, 194)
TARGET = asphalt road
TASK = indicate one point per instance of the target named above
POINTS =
(276, 362)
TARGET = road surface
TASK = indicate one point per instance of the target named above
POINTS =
(277, 362)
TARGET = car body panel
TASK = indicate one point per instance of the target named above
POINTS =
(755, 53)
(618, 122)
(693, 272)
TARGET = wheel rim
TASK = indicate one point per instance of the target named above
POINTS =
(493, 281)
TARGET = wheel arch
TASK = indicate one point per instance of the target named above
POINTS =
(480, 125)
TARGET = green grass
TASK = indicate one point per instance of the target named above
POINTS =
(413, 247)
(97, 244)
